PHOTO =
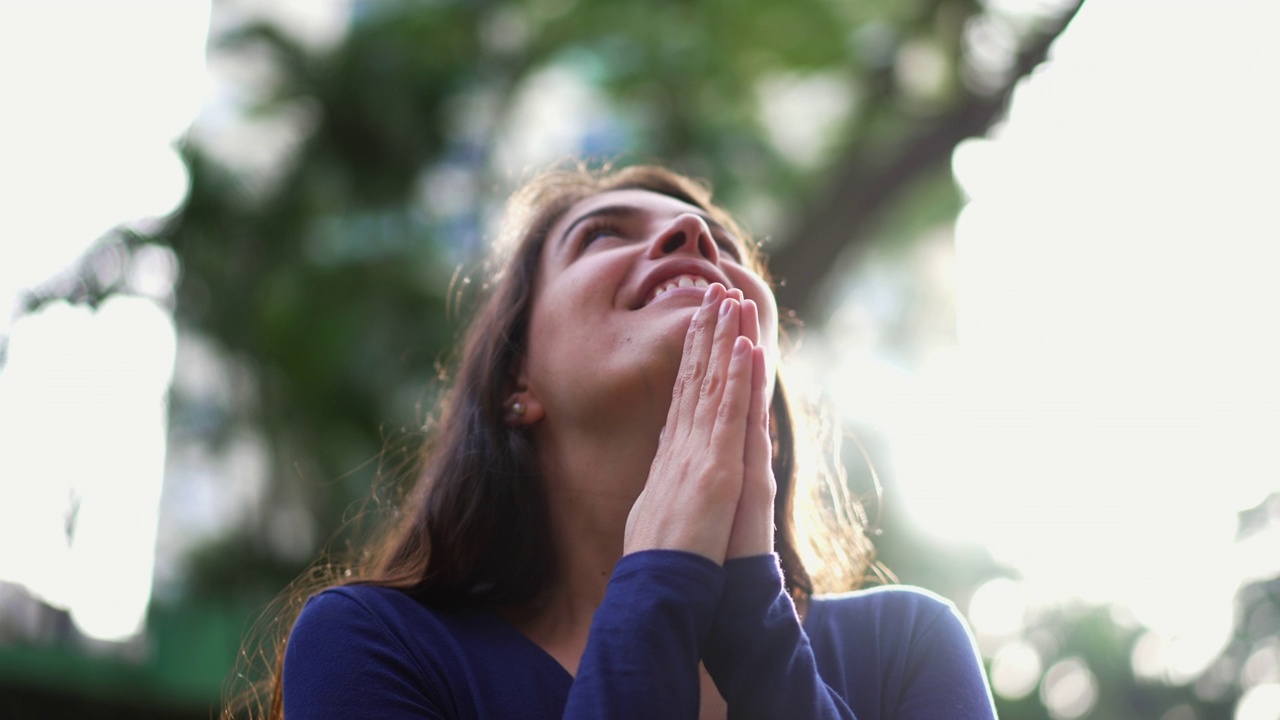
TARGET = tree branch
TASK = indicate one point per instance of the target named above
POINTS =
(841, 217)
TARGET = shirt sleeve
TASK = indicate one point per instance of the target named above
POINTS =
(757, 653)
(342, 662)
(646, 639)
(762, 662)
(945, 678)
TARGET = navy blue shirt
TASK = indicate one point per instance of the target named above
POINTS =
(887, 653)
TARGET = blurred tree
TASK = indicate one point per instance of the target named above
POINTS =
(323, 264)
(328, 274)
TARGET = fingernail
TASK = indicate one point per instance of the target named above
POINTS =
(710, 295)
(740, 346)
(725, 307)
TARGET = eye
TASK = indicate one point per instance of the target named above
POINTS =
(597, 230)
(729, 246)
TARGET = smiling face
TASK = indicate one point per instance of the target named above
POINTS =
(620, 277)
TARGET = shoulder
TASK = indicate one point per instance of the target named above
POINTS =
(390, 627)
(355, 618)
(383, 621)
(379, 626)
(904, 651)
(893, 618)
(900, 602)
(363, 609)
(346, 601)
(356, 645)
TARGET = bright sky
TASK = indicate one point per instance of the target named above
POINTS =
(1113, 400)
(95, 94)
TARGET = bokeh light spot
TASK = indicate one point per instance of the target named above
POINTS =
(998, 608)
(1015, 670)
(1260, 702)
(1069, 689)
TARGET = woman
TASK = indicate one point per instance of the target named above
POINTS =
(593, 534)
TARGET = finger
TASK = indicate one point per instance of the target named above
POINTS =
(722, 345)
(735, 293)
(750, 321)
(693, 358)
(758, 453)
(730, 425)
(752, 532)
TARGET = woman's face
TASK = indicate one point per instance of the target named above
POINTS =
(620, 277)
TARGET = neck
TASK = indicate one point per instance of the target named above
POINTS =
(591, 479)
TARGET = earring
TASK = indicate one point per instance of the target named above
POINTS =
(517, 409)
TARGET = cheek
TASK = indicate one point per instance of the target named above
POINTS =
(769, 318)
(550, 329)
(756, 289)
(563, 323)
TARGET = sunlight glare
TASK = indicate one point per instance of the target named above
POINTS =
(1118, 332)
(82, 408)
(1109, 401)
(90, 110)
(1069, 689)
(1016, 670)
(97, 93)
(998, 608)
(1260, 702)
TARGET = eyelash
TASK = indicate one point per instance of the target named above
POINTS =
(729, 247)
(596, 229)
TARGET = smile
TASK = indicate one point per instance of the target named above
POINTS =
(675, 283)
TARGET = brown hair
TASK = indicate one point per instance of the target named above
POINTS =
(474, 526)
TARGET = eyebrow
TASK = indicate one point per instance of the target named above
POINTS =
(607, 210)
(629, 210)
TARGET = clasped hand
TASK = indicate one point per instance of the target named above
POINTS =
(711, 487)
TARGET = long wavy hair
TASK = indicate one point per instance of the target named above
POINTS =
(474, 526)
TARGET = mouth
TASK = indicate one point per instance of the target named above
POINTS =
(679, 282)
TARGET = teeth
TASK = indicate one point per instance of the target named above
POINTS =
(683, 281)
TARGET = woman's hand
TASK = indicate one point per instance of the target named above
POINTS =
(752, 532)
(710, 488)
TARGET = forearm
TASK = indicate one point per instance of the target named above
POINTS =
(757, 652)
(646, 639)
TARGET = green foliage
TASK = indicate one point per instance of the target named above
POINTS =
(329, 280)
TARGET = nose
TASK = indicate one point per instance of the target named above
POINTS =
(687, 233)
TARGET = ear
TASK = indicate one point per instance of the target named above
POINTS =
(522, 407)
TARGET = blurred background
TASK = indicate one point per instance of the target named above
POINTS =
(1031, 245)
